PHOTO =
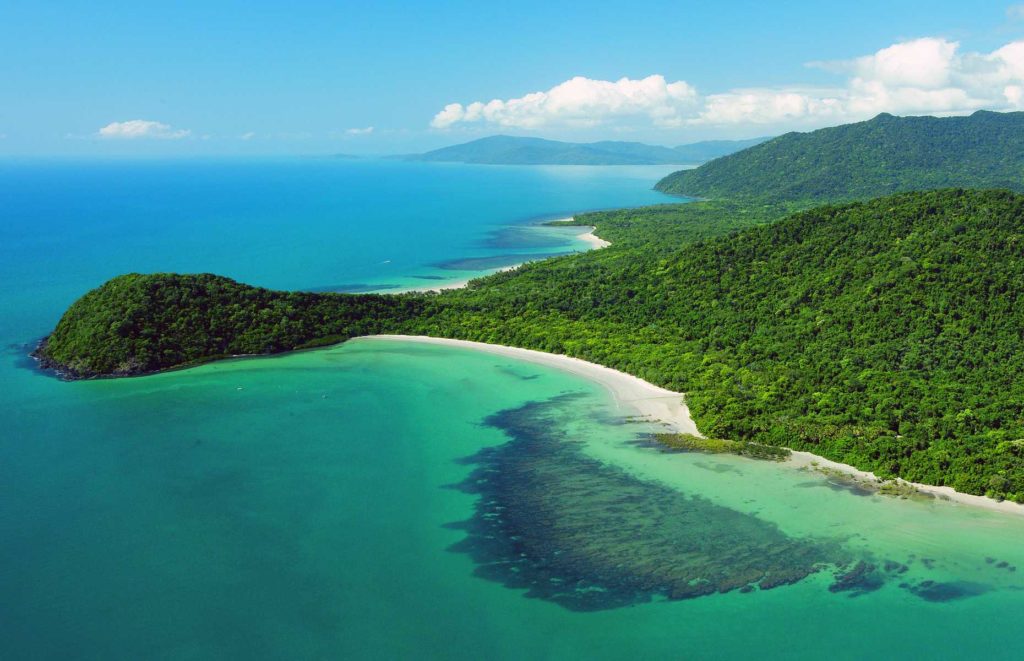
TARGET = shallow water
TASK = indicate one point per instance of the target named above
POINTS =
(398, 500)
(329, 503)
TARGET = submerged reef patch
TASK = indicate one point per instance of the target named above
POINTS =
(570, 529)
(950, 591)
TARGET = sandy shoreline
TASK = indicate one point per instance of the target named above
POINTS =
(595, 242)
(592, 240)
(808, 460)
(636, 397)
(632, 395)
(455, 284)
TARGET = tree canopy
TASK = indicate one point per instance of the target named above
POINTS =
(857, 161)
(885, 334)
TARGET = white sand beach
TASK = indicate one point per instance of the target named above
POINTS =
(592, 240)
(455, 284)
(808, 460)
(636, 397)
(595, 242)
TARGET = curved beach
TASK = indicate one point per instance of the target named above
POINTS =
(592, 241)
(632, 395)
(635, 397)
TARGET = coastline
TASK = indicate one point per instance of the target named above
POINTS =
(634, 396)
(593, 242)
(455, 284)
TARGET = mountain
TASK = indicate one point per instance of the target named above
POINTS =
(512, 150)
(701, 152)
(856, 161)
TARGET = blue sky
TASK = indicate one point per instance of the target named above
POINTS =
(266, 78)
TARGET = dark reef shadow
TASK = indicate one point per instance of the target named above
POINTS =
(569, 529)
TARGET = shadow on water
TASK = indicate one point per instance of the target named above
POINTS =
(588, 536)
(350, 288)
(21, 357)
(518, 373)
(518, 237)
(570, 529)
(492, 262)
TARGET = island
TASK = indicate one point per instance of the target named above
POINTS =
(874, 328)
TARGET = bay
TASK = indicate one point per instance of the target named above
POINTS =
(398, 500)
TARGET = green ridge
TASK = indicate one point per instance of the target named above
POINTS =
(857, 161)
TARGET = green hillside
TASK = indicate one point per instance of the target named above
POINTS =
(135, 323)
(884, 334)
(857, 161)
(517, 150)
(706, 150)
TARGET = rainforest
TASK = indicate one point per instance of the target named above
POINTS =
(882, 332)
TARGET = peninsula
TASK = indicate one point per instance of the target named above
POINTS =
(882, 333)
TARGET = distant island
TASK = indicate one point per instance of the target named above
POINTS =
(513, 150)
(875, 329)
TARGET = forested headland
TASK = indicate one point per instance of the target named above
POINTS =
(884, 333)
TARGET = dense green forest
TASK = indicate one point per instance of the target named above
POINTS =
(857, 161)
(143, 323)
(885, 334)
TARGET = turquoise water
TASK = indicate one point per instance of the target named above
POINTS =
(396, 500)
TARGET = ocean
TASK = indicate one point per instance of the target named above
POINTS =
(399, 500)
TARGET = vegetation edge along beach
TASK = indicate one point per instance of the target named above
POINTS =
(877, 333)
(635, 397)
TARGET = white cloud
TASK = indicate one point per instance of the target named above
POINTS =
(1015, 12)
(357, 131)
(926, 63)
(141, 128)
(921, 76)
(766, 106)
(248, 135)
(581, 102)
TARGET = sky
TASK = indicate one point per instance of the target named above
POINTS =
(260, 78)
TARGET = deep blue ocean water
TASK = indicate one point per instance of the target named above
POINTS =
(68, 226)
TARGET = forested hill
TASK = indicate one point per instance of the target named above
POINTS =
(706, 150)
(884, 334)
(516, 150)
(857, 161)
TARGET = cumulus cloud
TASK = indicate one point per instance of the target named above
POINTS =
(581, 102)
(141, 128)
(357, 131)
(920, 76)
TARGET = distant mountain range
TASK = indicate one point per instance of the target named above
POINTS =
(883, 155)
(512, 150)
